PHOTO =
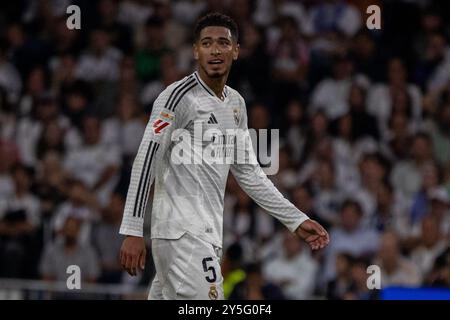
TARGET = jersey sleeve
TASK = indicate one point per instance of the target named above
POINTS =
(168, 114)
(252, 179)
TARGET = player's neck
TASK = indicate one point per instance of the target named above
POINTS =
(215, 84)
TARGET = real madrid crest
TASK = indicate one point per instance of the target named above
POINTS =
(213, 294)
(236, 116)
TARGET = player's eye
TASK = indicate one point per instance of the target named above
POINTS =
(206, 43)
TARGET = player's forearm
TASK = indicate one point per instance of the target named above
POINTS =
(137, 196)
(256, 184)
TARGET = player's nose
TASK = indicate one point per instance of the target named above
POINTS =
(215, 50)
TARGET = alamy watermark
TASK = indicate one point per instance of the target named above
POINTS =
(73, 281)
(374, 279)
(231, 146)
(373, 20)
(74, 20)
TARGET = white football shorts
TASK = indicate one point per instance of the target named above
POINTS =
(187, 268)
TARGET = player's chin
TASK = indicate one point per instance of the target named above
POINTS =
(217, 71)
(216, 74)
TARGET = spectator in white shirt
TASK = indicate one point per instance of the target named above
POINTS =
(338, 286)
(23, 199)
(19, 221)
(437, 54)
(133, 13)
(328, 197)
(350, 237)
(358, 288)
(290, 59)
(295, 135)
(66, 251)
(9, 76)
(94, 163)
(294, 271)
(101, 62)
(396, 270)
(107, 240)
(383, 97)
(332, 94)
(81, 205)
(439, 209)
(335, 16)
(406, 176)
(432, 244)
(30, 128)
(9, 156)
(125, 128)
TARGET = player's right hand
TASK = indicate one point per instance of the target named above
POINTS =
(313, 234)
(132, 254)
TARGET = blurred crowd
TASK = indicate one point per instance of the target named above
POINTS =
(364, 119)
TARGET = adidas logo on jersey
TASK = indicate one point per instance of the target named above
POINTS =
(212, 119)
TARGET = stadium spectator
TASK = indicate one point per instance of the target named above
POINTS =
(331, 94)
(395, 268)
(302, 198)
(148, 59)
(406, 175)
(295, 271)
(66, 251)
(101, 62)
(391, 212)
(9, 156)
(358, 289)
(294, 129)
(327, 197)
(335, 16)
(95, 163)
(384, 98)
(290, 59)
(232, 268)
(439, 275)
(107, 240)
(19, 219)
(349, 237)
(81, 205)
(431, 180)
(432, 244)
(10, 80)
(440, 133)
(255, 287)
(363, 123)
(340, 284)
(251, 72)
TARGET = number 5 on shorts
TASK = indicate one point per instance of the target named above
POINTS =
(210, 268)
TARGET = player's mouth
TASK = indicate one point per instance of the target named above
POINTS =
(215, 61)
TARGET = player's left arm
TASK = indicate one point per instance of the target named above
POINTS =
(258, 186)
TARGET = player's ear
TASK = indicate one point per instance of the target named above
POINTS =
(236, 51)
(195, 51)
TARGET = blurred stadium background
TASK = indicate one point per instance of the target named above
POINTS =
(364, 117)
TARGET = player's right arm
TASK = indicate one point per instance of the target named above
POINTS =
(168, 113)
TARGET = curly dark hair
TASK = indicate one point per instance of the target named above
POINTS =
(216, 19)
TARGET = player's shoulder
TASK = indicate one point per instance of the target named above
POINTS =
(180, 85)
(177, 92)
(234, 94)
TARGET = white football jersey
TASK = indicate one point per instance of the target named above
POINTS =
(189, 195)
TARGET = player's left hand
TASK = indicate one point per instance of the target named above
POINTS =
(313, 234)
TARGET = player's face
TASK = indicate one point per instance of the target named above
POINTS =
(215, 51)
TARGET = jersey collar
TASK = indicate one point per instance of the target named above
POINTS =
(208, 90)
